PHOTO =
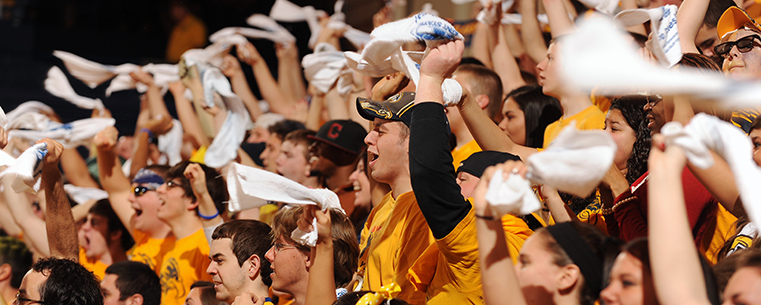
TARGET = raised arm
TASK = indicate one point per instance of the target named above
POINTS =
(62, 232)
(557, 13)
(321, 289)
(231, 68)
(531, 32)
(689, 19)
(279, 102)
(289, 74)
(75, 169)
(675, 263)
(497, 272)
(505, 65)
(191, 125)
(112, 178)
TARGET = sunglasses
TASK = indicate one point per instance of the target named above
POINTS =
(140, 190)
(744, 45)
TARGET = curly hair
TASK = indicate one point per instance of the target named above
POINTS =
(632, 109)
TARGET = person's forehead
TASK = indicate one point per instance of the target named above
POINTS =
(221, 245)
(739, 34)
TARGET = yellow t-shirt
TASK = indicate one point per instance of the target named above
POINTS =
(182, 266)
(589, 118)
(462, 153)
(720, 230)
(150, 251)
(393, 238)
(95, 266)
(189, 33)
(456, 278)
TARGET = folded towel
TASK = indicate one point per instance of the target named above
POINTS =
(574, 163)
(384, 55)
(58, 85)
(663, 26)
(251, 188)
(25, 170)
(81, 195)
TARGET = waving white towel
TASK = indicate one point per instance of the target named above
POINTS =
(607, 7)
(81, 195)
(251, 187)
(3, 119)
(90, 72)
(27, 107)
(518, 19)
(384, 55)
(270, 26)
(731, 144)
(695, 150)
(663, 26)
(163, 74)
(25, 170)
(71, 134)
(170, 143)
(338, 21)
(326, 67)
(58, 85)
(574, 163)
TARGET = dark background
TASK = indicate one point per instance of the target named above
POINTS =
(116, 32)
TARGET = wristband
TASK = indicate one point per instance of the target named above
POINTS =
(207, 217)
(148, 131)
(484, 217)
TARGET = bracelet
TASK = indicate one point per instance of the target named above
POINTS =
(208, 217)
(484, 217)
(617, 205)
(148, 131)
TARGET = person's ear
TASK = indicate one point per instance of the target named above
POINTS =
(192, 204)
(135, 299)
(482, 100)
(568, 277)
(254, 266)
(5, 272)
(115, 236)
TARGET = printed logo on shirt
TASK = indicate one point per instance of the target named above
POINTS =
(171, 281)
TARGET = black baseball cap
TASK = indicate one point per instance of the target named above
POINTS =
(391, 109)
(345, 135)
(477, 163)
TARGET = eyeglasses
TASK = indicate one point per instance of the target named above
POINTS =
(653, 99)
(744, 45)
(140, 190)
(23, 301)
(172, 184)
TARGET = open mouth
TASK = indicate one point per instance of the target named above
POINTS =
(372, 156)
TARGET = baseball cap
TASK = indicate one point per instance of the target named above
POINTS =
(477, 163)
(733, 19)
(346, 135)
(391, 109)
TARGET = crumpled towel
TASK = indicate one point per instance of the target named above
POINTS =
(58, 85)
(25, 170)
(71, 134)
(518, 19)
(607, 7)
(384, 55)
(735, 147)
(663, 26)
(24, 108)
(252, 187)
(163, 74)
(575, 162)
(284, 10)
(489, 16)
(695, 150)
(81, 195)
(326, 67)
(269, 25)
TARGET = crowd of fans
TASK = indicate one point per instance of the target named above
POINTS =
(402, 179)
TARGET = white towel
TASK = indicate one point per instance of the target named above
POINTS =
(518, 19)
(575, 162)
(338, 21)
(607, 7)
(25, 170)
(58, 85)
(90, 72)
(27, 107)
(489, 16)
(71, 134)
(29, 121)
(384, 55)
(696, 151)
(604, 58)
(663, 26)
(163, 74)
(284, 10)
(251, 188)
(270, 26)
(327, 67)
(223, 148)
(511, 196)
(735, 147)
(428, 9)
(170, 143)
(81, 195)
